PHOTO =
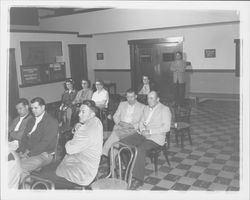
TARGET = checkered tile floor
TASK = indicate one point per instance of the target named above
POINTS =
(212, 162)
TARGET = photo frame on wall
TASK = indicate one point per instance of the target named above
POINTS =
(210, 53)
(99, 56)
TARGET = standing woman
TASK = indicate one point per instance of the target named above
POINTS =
(178, 68)
(65, 110)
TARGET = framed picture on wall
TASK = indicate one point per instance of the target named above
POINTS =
(210, 53)
(99, 56)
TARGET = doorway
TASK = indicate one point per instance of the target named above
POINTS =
(153, 57)
(78, 63)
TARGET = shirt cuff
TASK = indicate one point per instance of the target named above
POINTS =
(150, 132)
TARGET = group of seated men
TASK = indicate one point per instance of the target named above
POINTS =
(143, 126)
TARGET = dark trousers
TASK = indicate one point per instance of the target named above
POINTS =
(179, 93)
(143, 145)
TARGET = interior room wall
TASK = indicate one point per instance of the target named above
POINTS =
(196, 39)
(50, 92)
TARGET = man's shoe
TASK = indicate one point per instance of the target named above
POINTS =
(135, 184)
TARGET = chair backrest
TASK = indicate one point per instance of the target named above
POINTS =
(119, 170)
(182, 113)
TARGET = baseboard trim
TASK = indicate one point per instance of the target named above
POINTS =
(202, 96)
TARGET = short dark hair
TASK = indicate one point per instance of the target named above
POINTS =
(23, 101)
(91, 104)
(39, 100)
(100, 81)
(131, 91)
(156, 92)
(178, 52)
(87, 81)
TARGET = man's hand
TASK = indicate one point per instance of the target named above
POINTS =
(24, 155)
(145, 132)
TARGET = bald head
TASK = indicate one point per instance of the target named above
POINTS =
(153, 99)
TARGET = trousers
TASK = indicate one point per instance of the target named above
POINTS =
(143, 145)
(179, 93)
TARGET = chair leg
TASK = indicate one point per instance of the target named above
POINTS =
(156, 163)
(165, 152)
(189, 136)
(182, 138)
(176, 138)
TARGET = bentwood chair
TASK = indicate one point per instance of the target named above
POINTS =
(120, 175)
(182, 121)
(155, 152)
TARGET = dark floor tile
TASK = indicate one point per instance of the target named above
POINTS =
(176, 159)
(230, 168)
(193, 157)
(235, 158)
(226, 152)
(159, 188)
(165, 169)
(217, 147)
(210, 155)
(180, 186)
(222, 180)
(183, 166)
(219, 161)
(230, 188)
(202, 164)
(191, 174)
(172, 177)
(204, 149)
(202, 184)
(187, 151)
(148, 172)
(209, 171)
(152, 180)
(237, 176)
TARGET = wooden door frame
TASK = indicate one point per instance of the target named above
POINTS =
(134, 44)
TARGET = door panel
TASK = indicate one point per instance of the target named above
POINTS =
(154, 60)
(78, 63)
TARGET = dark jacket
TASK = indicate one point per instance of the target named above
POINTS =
(151, 87)
(17, 135)
(43, 139)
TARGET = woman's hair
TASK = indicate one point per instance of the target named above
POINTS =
(178, 52)
(100, 81)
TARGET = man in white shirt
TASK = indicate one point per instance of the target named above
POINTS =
(18, 125)
(126, 118)
(39, 140)
(153, 126)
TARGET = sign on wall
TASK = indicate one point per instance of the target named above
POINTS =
(210, 53)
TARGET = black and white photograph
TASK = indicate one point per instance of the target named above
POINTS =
(125, 99)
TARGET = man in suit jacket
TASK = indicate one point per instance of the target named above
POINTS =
(18, 125)
(39, 140)
(154, 124)
(126, 119)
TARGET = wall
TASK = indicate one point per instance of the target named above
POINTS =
(114, 20)
(196, 38)
(51, 92)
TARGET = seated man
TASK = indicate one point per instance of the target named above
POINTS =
(126, 120)
(144, 89)
(18, 125)
(154, 124)
(83, 152)
(39, 139)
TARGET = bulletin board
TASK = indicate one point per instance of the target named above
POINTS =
(42, 73)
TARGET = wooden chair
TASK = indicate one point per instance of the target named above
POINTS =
(120, 176)
(155, 152)
(182, 121)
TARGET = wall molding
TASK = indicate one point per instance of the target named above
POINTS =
(212, 70)
(112, 70)
(49, 32)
